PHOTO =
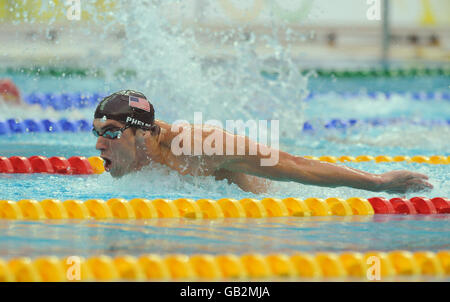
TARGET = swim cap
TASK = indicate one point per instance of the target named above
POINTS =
(9, 91)
(129, 107)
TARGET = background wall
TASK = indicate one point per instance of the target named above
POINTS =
(316, 29)
(342, 12)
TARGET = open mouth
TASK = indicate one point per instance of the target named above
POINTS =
(106, 163)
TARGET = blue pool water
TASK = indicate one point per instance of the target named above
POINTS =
(284, 235)
(380, 232)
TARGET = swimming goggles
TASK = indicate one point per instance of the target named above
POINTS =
(111, 134)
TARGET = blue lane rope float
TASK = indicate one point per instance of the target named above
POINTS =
(419, 96)
(17, 126)
(343, 124)
(80, 100)
(64, 101)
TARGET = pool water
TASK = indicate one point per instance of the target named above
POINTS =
(236, 236)
(287, 235)
(179, 81)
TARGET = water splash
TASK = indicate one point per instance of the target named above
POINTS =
(179, 82)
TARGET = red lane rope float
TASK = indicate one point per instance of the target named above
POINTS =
(442, 205)
(80, 165)
(415, 205)
(423, 205)
(403, 206)
(381, 205)
(40, 164)
(21, 164)
(61, 165)
(5, 165)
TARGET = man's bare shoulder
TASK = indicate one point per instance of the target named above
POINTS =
(169, 131)
(163, 125)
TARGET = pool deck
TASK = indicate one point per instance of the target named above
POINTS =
(55, 44)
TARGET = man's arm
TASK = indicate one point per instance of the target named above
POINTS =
(313, 172)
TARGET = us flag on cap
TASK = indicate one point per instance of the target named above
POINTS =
(140, 103)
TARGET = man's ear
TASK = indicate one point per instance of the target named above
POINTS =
(155, 129)
(140, 134)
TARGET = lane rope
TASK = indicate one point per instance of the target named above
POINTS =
(77, 165)
(81, 100)
(363, 72)
(142, 208)
(418, 159)
(249, 266)
(18, 126)
(370, 72)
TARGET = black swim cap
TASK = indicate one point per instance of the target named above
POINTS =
(129, 107)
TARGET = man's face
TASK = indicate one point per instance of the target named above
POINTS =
(119, 154)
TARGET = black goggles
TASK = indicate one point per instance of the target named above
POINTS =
(111, 134)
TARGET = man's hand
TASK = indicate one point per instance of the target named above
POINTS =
(403, 182)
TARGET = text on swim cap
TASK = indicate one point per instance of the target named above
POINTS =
(133, 121)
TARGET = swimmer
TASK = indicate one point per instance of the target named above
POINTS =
(9, 92)
(130, 138)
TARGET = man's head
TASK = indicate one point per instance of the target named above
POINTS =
(122, 122)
